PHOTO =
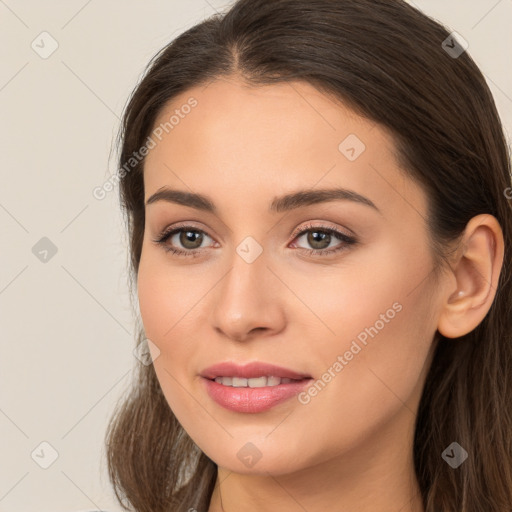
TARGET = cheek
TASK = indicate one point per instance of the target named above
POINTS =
(168, 297)
(165, 322)
(375, 293)
(383, 324)
(162, 316)
(154, 301)
(171, 303)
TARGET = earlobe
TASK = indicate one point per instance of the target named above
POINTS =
(476, 272)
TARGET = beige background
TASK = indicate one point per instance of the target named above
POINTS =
(66, 324)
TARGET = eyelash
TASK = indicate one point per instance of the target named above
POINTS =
(346, 239)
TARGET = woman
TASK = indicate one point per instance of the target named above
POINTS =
(316, 197)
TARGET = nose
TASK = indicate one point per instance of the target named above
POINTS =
(247, 301)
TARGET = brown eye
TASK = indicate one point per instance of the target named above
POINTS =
(190, 239)
(318, 239)
(183, 241)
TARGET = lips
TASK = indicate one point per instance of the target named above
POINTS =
(252, 388)
(251, 371)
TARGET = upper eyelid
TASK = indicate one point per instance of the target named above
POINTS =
(323, 227)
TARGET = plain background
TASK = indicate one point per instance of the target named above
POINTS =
(67, 325)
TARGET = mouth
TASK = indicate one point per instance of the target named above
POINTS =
(254, 371)
(255, 382)
(252, 388)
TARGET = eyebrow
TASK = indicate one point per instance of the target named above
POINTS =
(284, 203)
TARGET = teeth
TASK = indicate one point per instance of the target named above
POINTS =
(239, 382)
(256, 382)
(273, 381)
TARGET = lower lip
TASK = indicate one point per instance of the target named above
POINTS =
(253, 400)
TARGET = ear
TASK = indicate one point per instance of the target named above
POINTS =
(476, 271)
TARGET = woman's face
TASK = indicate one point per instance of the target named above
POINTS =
(338, 288)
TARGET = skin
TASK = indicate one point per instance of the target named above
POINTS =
(350, 447)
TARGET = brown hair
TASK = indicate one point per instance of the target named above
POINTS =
(385, 60)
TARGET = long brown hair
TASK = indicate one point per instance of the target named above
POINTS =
(391, 64)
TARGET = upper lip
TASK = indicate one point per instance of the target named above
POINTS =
(251, 370)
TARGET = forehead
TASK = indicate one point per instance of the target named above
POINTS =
(251, 139)
(244, 116)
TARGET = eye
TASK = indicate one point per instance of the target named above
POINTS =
(322, 240)
(182, 240)
(188, 240)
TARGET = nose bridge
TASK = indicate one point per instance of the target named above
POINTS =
(246, 281)
(246, 299)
